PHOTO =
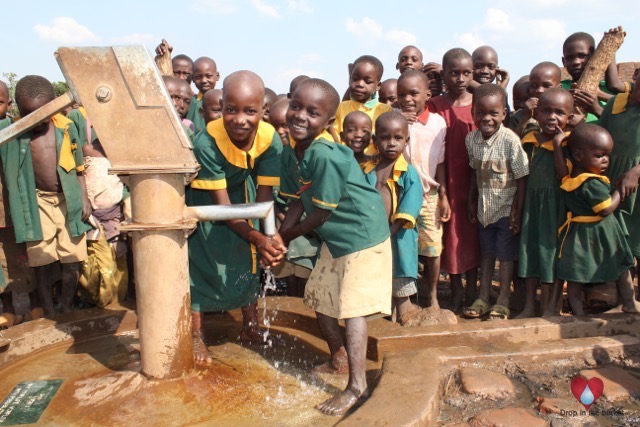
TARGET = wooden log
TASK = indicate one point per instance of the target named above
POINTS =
(164, 61)
(600, 60)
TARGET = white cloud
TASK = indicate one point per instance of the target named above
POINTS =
(300, 6)
(266, 9)
(310, 57)
(400, 37)
(217, 7)
(367, 29)
(135, 38)
(497, 20)
(468, 41)
(64, 29)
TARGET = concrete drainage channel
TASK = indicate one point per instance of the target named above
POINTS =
(434, 375)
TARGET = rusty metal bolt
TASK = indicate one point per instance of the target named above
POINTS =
(103, 93)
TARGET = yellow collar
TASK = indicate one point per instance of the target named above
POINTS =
(60, 121)
(399, 167)
(83, 112)
(570, 184)
(199, 96)
(234, 155)
(620, 103)
(530, 138)
(324, 135)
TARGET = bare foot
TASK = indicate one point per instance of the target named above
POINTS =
(340, 404)
(337, 365)
(631, 306)
(200, 351)
(526, 313)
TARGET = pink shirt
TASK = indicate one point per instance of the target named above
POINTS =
(425, 150)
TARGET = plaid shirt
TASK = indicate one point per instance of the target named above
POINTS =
(498, 163)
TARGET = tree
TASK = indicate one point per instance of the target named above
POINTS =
(60, 88)
(11, 79)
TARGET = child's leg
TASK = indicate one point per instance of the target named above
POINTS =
(251, 331)
(487, 266)
(338, 363)
(457, 293)
(357, 354)
(433, 274)
(7, 302)
(626, 293)
(70, 277)
(302, 284)
(43, 276)
(36, 306)
(471, 284)
(574, 292)
(201, 353)
(506, 277)
(292, 286)
(531, 286)
(555, 297)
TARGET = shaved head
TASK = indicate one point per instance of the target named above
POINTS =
(244, 79)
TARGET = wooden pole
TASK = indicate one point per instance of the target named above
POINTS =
(600, 60)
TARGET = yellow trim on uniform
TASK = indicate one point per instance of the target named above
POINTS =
(570, 184)
(620, 103)
(584, 219)
(269, 181)
(627, 87)
(321, 203)
(411, 221)
(600, 206)
(80, 168)
(290, 196)
(368, 166)
(203, 184)
(83, 112)
(234, 155)
(530, 138)
(325, 134)
(199, 96)
(399, 167)
(66, 161)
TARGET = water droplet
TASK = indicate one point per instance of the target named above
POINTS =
(587, 398)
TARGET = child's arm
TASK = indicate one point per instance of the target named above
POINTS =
(615, 201)
(529, 108)
(314, 220)
(560, 161)
(611, 76)
(502, 77)
(588, 101)
(515, 219)
(292, 217)
(445, 208)
(409, 202)
(628, 182)
(86, 204)
(271, 251)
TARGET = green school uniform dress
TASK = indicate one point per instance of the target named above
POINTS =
(223, 267)
(622, 120)
(543, 212)
(406, 198)
(3, 124)
(328, 177)
(20, 180)
(194, 113)
(592, 248)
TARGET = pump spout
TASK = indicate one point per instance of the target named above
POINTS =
(262, 211)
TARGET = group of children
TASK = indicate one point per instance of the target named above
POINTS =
(431, 168)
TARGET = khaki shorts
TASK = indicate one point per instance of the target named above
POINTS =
(354, 285)
(57, 243)
(13, 259)
(430, 226)
(404, 287)
(288, 268)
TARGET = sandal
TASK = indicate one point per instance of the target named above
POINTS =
(499, 312)
(478, 309)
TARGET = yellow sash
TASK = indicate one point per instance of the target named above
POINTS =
(66, 161)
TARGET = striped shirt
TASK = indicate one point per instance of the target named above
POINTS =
(498, 162)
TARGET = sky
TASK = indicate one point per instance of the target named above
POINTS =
(280, 39)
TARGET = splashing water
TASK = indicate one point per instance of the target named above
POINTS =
(269, 284)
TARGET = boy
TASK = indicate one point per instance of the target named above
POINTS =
(173, 88)
(205, 77)
(520, 93)
(425, 151)
(576, 52)
(486, 69)
(356, 134)
(388, 93)
(496, 194)
(295, 82)
(47, 194)
(409, 58)
(15, 275)
(365, 78)
(399, 185)
(186, 94)
(212, 105)
(543, 76)
(182, 65)
(269, 98)
(351, 277)
(223, 267)
(279, 118)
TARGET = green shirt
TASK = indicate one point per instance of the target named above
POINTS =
(194, 113)
(20, 180)
(330, 178)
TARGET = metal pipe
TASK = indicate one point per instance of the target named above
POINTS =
(263, 210)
